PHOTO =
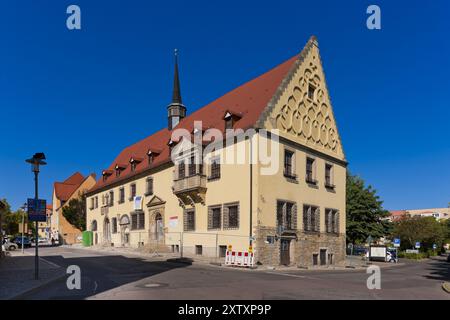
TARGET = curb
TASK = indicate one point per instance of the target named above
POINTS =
(446, 286)
(20, 295)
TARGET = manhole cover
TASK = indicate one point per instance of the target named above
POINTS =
(152, 285)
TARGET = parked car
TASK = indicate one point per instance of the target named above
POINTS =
(9, 246)
(26, 242)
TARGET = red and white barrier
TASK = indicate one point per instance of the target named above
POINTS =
(239, 259)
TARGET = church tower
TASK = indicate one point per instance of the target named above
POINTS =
(176, 110)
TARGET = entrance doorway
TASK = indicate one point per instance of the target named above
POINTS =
(125, 231)
(285, 257)
(323, 257)
(106, 231)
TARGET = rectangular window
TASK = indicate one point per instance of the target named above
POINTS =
(189, 220)
(96, 202)
(121, 195)
(215, 169)
(198, 250)
(214, 217)
(114, 225)
(311, 218)
(181, 170)
(229, 123)
(286, 215)
(310, 170)
(192, 166)
(111, 198)
(149, 187)
(137, 221)
(289, 164)
(132, 192)
(329, 175)
(92, 204)
(231, 215)
(315, 259)
(150, 159)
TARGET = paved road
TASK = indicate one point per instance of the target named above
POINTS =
(126, 277)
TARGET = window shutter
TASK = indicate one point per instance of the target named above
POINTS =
(284, 215)
(294, 216)
(317, 222)
(336, 227)
(226, 217)
(210, 218)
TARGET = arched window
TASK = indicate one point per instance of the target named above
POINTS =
(94, 225)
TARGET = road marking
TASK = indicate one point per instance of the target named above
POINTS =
(287, 275)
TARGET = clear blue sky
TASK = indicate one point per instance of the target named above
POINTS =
(82, 96)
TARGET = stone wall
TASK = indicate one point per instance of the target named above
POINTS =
(302, 249)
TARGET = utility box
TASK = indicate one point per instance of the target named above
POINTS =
(88, 237)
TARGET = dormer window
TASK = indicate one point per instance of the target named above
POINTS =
(133, 163)
(105, 175)
(119, 168)
(230, 119)
(151, 154)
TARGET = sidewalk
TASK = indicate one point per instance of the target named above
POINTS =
(17, 274)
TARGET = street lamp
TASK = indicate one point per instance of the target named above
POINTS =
(36, 161)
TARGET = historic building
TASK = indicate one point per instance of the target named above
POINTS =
(204, 199)
(71, 188)
(437, 213)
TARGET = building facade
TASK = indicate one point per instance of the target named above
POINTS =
(260, 169)
(72, 188)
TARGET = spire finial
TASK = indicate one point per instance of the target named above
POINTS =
(176, 96)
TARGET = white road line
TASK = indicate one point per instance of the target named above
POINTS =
(287, 275)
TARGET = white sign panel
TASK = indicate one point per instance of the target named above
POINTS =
(138, 203)
(173, 222)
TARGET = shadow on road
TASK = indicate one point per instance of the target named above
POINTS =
(100, 274)
(439, 269)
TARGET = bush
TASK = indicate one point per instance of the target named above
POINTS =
(414, 256)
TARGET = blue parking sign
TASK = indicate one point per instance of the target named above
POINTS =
(36, 210)
(417, 245)
(396, 242)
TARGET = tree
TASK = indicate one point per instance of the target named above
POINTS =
(75, 212)
(426, 230)
(365, 213)
(12, 219)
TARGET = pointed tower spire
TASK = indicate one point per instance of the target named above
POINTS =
(176, 96)
(176, 110)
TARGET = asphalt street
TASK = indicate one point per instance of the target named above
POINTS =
(109, 276)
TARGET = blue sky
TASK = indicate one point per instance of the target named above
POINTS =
(82, 96)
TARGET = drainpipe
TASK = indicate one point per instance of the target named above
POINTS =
(251, 192)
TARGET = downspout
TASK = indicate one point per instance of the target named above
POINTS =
(251, 193)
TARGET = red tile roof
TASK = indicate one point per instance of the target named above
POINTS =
(64, 190)
(248, 100)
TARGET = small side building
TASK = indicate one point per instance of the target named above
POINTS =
(71, 188)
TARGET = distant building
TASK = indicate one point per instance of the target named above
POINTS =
(63, 192)
(437, 213)
(44, 226)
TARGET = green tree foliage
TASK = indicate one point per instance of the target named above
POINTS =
(426, 230)
(75, 212)
(365, 212)
(11, 219)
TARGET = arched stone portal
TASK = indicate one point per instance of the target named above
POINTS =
(106, 231)
(156, 218)
(124, 230)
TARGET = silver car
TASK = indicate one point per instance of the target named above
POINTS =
(9, 246)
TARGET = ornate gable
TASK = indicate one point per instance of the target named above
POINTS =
(155, 201)
(301, 109)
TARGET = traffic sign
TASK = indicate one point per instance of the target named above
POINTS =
(36, 210)
(434, 246)
(417, 245)
(396, 242)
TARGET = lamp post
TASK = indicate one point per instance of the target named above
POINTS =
(36, 161)
(23, 225)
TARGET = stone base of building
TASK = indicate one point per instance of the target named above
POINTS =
(299, 248)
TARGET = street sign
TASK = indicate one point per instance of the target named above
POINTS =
(36, 210)
(434, 246)
(417, 245)
(396, 242)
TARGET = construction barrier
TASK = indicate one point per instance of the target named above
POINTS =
(239, 259)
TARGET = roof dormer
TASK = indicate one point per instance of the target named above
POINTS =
(119, 168)
(151, 154)
(231, 118)
(134, 162)
(106, 174)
